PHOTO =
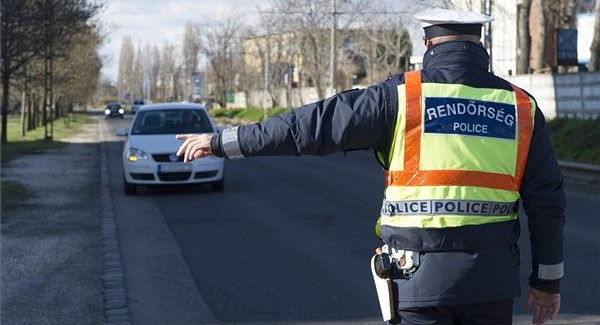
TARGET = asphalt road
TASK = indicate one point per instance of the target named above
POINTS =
(289, 241)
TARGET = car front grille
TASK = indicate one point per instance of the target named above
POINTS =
(170, 177)
(143, 176)
(164, 157)
(208, 174)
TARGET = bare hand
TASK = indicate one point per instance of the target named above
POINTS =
(194, 146)
(545, 305)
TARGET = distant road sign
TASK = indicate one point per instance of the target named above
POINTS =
(566, 47)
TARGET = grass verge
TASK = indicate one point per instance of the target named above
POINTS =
(34, 140)
(13, 193)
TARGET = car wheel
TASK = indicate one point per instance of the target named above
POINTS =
(130, 189)
(219, 185)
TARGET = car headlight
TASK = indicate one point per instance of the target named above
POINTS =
(121, 111)
(107, 111)
(134, 154)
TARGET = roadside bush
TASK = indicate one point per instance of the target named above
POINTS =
(576, 140)
(225, 112)
(251, 114)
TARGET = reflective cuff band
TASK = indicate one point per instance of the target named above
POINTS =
(230, 145)
(455, 207)
(550, 272)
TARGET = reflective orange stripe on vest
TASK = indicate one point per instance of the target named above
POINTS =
(412, 176)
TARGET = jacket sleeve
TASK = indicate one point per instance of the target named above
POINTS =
(544, 202)
(351, 120)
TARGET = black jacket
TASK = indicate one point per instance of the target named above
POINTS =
(365, 119)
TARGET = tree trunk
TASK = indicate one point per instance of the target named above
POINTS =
(595, 47)
(5, 89)
(524, 38)
(539, 55)
(23, 109)
(30, 117)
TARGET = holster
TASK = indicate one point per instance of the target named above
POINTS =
(385, 292)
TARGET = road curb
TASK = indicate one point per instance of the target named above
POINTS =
(116, 305)
(581, 166)
(581, 172)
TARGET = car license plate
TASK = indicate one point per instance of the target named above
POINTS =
(175, 167)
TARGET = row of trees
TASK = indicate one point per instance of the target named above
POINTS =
(50, 61)
(293, 39)
(299, 43)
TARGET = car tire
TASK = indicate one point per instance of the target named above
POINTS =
(219, 185)
(129, 188)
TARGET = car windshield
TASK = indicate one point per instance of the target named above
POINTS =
(114, 106)
(172, 121)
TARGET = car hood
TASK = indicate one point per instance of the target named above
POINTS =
(160, 143)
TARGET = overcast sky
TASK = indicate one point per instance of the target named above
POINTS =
(160, 21)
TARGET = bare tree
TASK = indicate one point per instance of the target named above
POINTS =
(126, 57)
(523, 37)
(21, 38)
(278, 54)
(220, 41)
(311, 25)
(78, 72)
(137, 74)
(387, 47)
(166, 72)
(312, 22)
(154, 71)
(190, 52)
(36, 29)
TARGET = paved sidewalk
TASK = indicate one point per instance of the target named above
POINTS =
(51, 253)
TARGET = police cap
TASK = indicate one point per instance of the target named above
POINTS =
(442, 22)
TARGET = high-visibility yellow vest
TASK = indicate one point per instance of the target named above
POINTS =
(455, 166)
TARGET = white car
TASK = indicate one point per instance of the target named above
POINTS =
(149, 155)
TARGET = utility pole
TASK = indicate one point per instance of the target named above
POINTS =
(267, 94)
(488, 31)
(332, 70)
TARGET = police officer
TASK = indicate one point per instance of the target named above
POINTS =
(460, 148)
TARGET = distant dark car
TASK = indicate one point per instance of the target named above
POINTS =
(114, 110)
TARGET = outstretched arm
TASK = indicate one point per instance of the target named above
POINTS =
(355, 119)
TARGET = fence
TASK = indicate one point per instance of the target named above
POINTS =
(297, 97)
(573, 95)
